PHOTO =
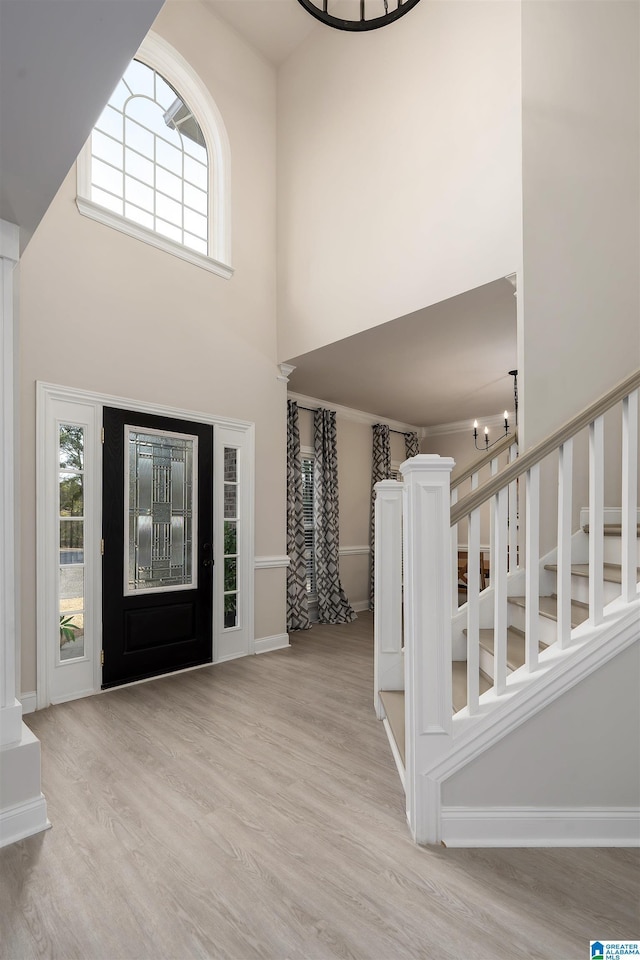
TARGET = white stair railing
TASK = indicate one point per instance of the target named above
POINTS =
(430, 513)
(505, 580)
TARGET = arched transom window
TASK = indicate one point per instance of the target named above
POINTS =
(150, 163)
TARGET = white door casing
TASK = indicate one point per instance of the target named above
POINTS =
(59, 681)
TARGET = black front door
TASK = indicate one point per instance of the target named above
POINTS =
(157, 583)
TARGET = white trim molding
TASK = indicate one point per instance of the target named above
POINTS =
(227, 642)
(359, 416)
(611, 515)
(268, 644)
(270, 563)
(110, 219)
(359, 606)
(158, 54)
(541, 827)
(286, 369)
(23, 820)
(354, 551)
(28, 701)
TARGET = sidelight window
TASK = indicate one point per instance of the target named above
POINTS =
(231, 536)
(71, 525)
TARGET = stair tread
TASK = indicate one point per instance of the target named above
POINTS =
(515, 645)
(459, 684)
(393, 703)
(548, 607)
(612, 529)
(612, 572)
(393, 700)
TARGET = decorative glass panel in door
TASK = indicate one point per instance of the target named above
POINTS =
(162, 525)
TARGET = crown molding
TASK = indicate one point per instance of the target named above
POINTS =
(464, 426)
(286, 369)
(359, 416)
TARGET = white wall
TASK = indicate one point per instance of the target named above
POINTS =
(578, 298)
(398, 168)
(582, 750)
(105, 312)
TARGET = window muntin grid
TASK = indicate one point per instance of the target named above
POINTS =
(149, 163)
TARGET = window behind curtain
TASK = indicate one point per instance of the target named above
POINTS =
(309, 523)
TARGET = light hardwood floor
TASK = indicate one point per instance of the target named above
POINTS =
(253, 810)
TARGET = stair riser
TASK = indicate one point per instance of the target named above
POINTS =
(580, 590)
(486, 662)
(613, 550)
(547, 631)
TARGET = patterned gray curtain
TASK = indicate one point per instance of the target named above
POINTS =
(333, 606)
(411, 445)
(380, 470)
(297, 605)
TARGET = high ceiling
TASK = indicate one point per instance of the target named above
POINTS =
(443, 364)
(274, 27)
(446, 363)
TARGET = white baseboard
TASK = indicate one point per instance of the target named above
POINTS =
(540, 827)
(267, 644)
(360, 605)
(29, 702)
(23, 820)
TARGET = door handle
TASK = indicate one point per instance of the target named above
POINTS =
(206, 549)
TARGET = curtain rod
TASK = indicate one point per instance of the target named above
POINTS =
(402, 433)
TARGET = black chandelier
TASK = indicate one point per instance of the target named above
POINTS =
(393, 10)
(487, 445)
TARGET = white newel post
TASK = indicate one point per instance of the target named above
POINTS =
(388, 666)
(427, 632)
(23, 810)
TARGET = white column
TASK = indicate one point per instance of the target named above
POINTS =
(23, 810)
(427, 633)
(388, 665)
(10, 707)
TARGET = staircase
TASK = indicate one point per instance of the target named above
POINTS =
(452, 682)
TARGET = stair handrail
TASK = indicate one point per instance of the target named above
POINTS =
(486, 457)
(542, 449)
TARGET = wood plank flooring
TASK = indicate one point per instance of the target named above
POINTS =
(253, 810)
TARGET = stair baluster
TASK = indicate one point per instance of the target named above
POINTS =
(596, 521)
(629, 496)
(473, 613)
(514, 555)
(563, 577)
(532, 567)
(499, 584)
